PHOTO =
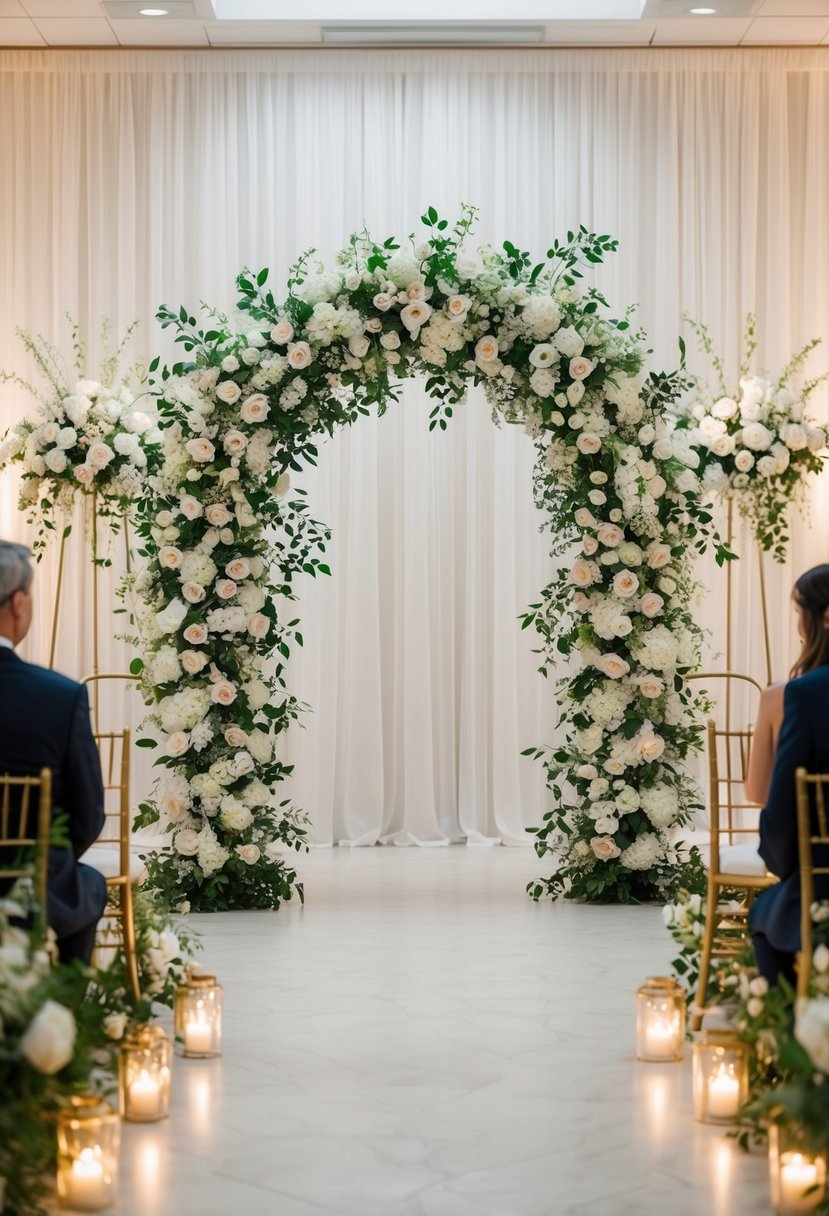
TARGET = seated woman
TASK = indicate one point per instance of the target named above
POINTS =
(803, 742)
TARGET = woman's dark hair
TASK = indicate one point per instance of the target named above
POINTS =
(811, 593)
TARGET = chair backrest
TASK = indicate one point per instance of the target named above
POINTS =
(812, 829)
(114, 751)
(25, 825)
(733, 818)
(97, 684)
(736, 696)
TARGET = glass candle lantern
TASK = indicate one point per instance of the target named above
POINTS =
(198, 1016)
(797, 1174)
(660, 1019)
(144, 1075)
(720, 1076)
(89, 1134)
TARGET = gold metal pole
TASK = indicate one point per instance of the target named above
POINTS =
(765, 610)
(729, 623)
(58, 589)
(95, 574)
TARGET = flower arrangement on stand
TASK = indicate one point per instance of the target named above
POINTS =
(247, 408)
(49, 1036)
(756, 446)
(88, 435)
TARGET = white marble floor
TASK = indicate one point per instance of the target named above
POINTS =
(422, 1040)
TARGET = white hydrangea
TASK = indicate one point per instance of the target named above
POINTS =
(646, 850)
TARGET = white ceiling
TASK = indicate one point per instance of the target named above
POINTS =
(240, 23)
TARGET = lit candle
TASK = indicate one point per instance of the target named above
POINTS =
(660, 1036)
(198, 1036)
(144, 1097)
(86, 1186)
(723, 1094)
(797, 1175)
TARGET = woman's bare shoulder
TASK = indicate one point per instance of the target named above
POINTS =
(771, 698)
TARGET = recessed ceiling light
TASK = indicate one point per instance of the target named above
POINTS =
(702, 12)
(153, 12)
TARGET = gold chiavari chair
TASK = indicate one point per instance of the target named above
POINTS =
(734, 866)
(116, 929)
(807, 839)
(25, 826)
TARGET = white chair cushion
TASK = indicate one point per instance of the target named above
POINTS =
(741, 859)
(107, 862)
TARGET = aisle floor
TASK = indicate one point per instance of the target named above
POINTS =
(420, 1039)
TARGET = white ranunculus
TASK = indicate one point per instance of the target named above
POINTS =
(743, 461)
(757, 437)
(56, 460)
(49, 1040)
(725, 408)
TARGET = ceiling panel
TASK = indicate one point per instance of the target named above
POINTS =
(776, 30)
(155, 33)
(19, 31)
(726, 31)
(76, 31)
(63, 8)
(794, 8)
(600, 33)
(11, 8)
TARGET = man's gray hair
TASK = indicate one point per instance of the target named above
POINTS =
(15, 569)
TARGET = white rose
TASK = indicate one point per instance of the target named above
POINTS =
(416, 314)
(114, 1025)
(190, 507)
(234, 442)
(457, 307)
(222, 693)
(177, 743)
(49, 1041)
(257, 693)
(585, 518)
(568, 342)
(187, 842)
(194, 661)
(99, 455)
(589, 545)
(605, 848)
(170, 618)
(725, 408)
(648, 746)
(743, 461)
(610, 535)
(201, 450)
(613, 665)
(650, 686)
(282, 333)
(816, 438)
(812, 1031)
(625, 584)
(382, 301)
(255, 408)
(580, 367)
(486, 349)
(299, 355)
(235, 736)
(258, 625)
(226, 588)
(630, 554)
(583, 574)
(794, 436)
(820, 959)
(228, 392)
(358, 345)
(658, 555)
(195, 634)
(588, 444)
(194, 593)
(651, 604)
(230, 364)
(249, 853)
(66, 438)
(169, 557)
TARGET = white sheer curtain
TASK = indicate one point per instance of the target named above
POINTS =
(133, 178)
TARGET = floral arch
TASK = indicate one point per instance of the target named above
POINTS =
(615, 479)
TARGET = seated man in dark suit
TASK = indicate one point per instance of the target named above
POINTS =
(803, 743)
(44, 723)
